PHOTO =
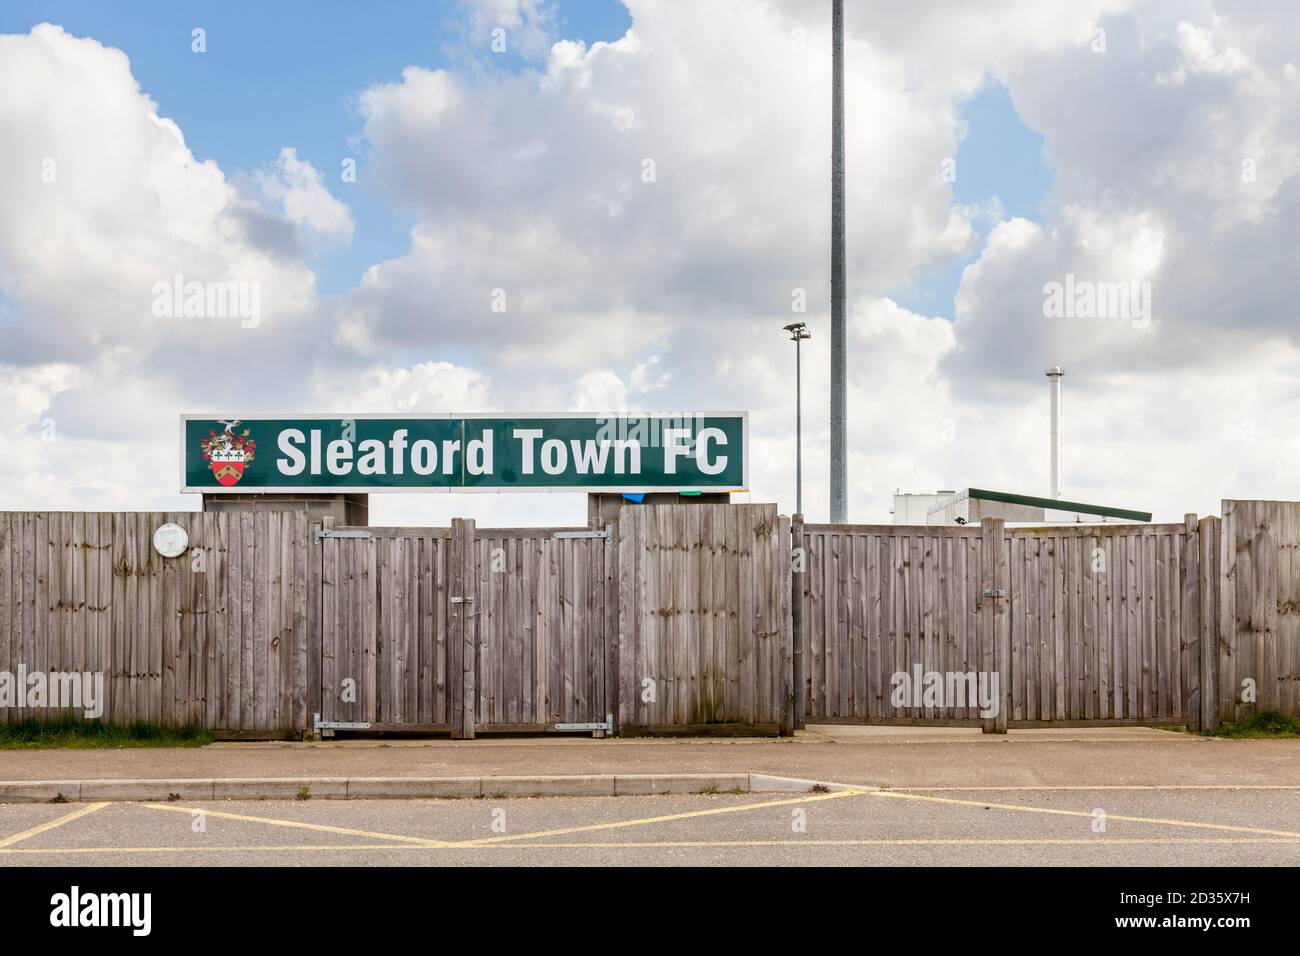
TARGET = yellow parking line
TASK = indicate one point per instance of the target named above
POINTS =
(1260, 835)
(296, 824)
(297, 847)
(58, 822)
(1084, 813)
(666, 844)
(1122, 786)
(1111, 841)
(661, 819)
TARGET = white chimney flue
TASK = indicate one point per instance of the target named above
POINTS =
(1054, 375)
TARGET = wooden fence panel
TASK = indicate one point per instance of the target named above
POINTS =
(1259, 609)
(216, 636)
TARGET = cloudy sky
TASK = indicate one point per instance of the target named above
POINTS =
(648, 182)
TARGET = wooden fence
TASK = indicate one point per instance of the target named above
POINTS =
(269, 620)
(678, 618)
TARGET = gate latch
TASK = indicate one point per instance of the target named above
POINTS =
(995, 593)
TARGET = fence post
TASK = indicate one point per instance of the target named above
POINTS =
(327, 700)
(456, 627)
(455, 634)
(613, 577)
(1190, 639)
(627, 523)
(314, 690)
(796, 617)
(1209, 531)
(994, 596)
(785, 609)
(469, 654)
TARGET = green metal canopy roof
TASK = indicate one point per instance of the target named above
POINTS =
(1057, 504)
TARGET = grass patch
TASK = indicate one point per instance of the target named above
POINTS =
(1264, 724)
(72, 733)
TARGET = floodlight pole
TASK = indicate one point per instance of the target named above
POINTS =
(839, 417)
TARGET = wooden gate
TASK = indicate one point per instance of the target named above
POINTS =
(461, 630)
(705, 636)
(1104, 624)
(542, 612)
(879, 600)
(387, 627)
(1079, 624)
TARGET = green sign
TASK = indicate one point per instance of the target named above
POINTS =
(696, 451)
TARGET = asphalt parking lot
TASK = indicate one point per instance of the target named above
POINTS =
(1017, 826)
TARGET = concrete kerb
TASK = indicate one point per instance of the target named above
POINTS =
(403, 788)
(765, 783)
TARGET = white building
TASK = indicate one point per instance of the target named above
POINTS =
(971, 505)
(914, 509)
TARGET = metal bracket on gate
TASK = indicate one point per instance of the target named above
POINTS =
(331, 533)
(464, 599)
(995, 593)
(606, 534)
(340, 724)
(607, 725)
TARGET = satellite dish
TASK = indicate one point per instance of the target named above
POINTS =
(170, 540)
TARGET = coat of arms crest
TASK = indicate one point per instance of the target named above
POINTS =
(228, 452)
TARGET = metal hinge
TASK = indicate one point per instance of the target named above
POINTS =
(339, 724)
(331, 533)
(607, 725)
(607, 533)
